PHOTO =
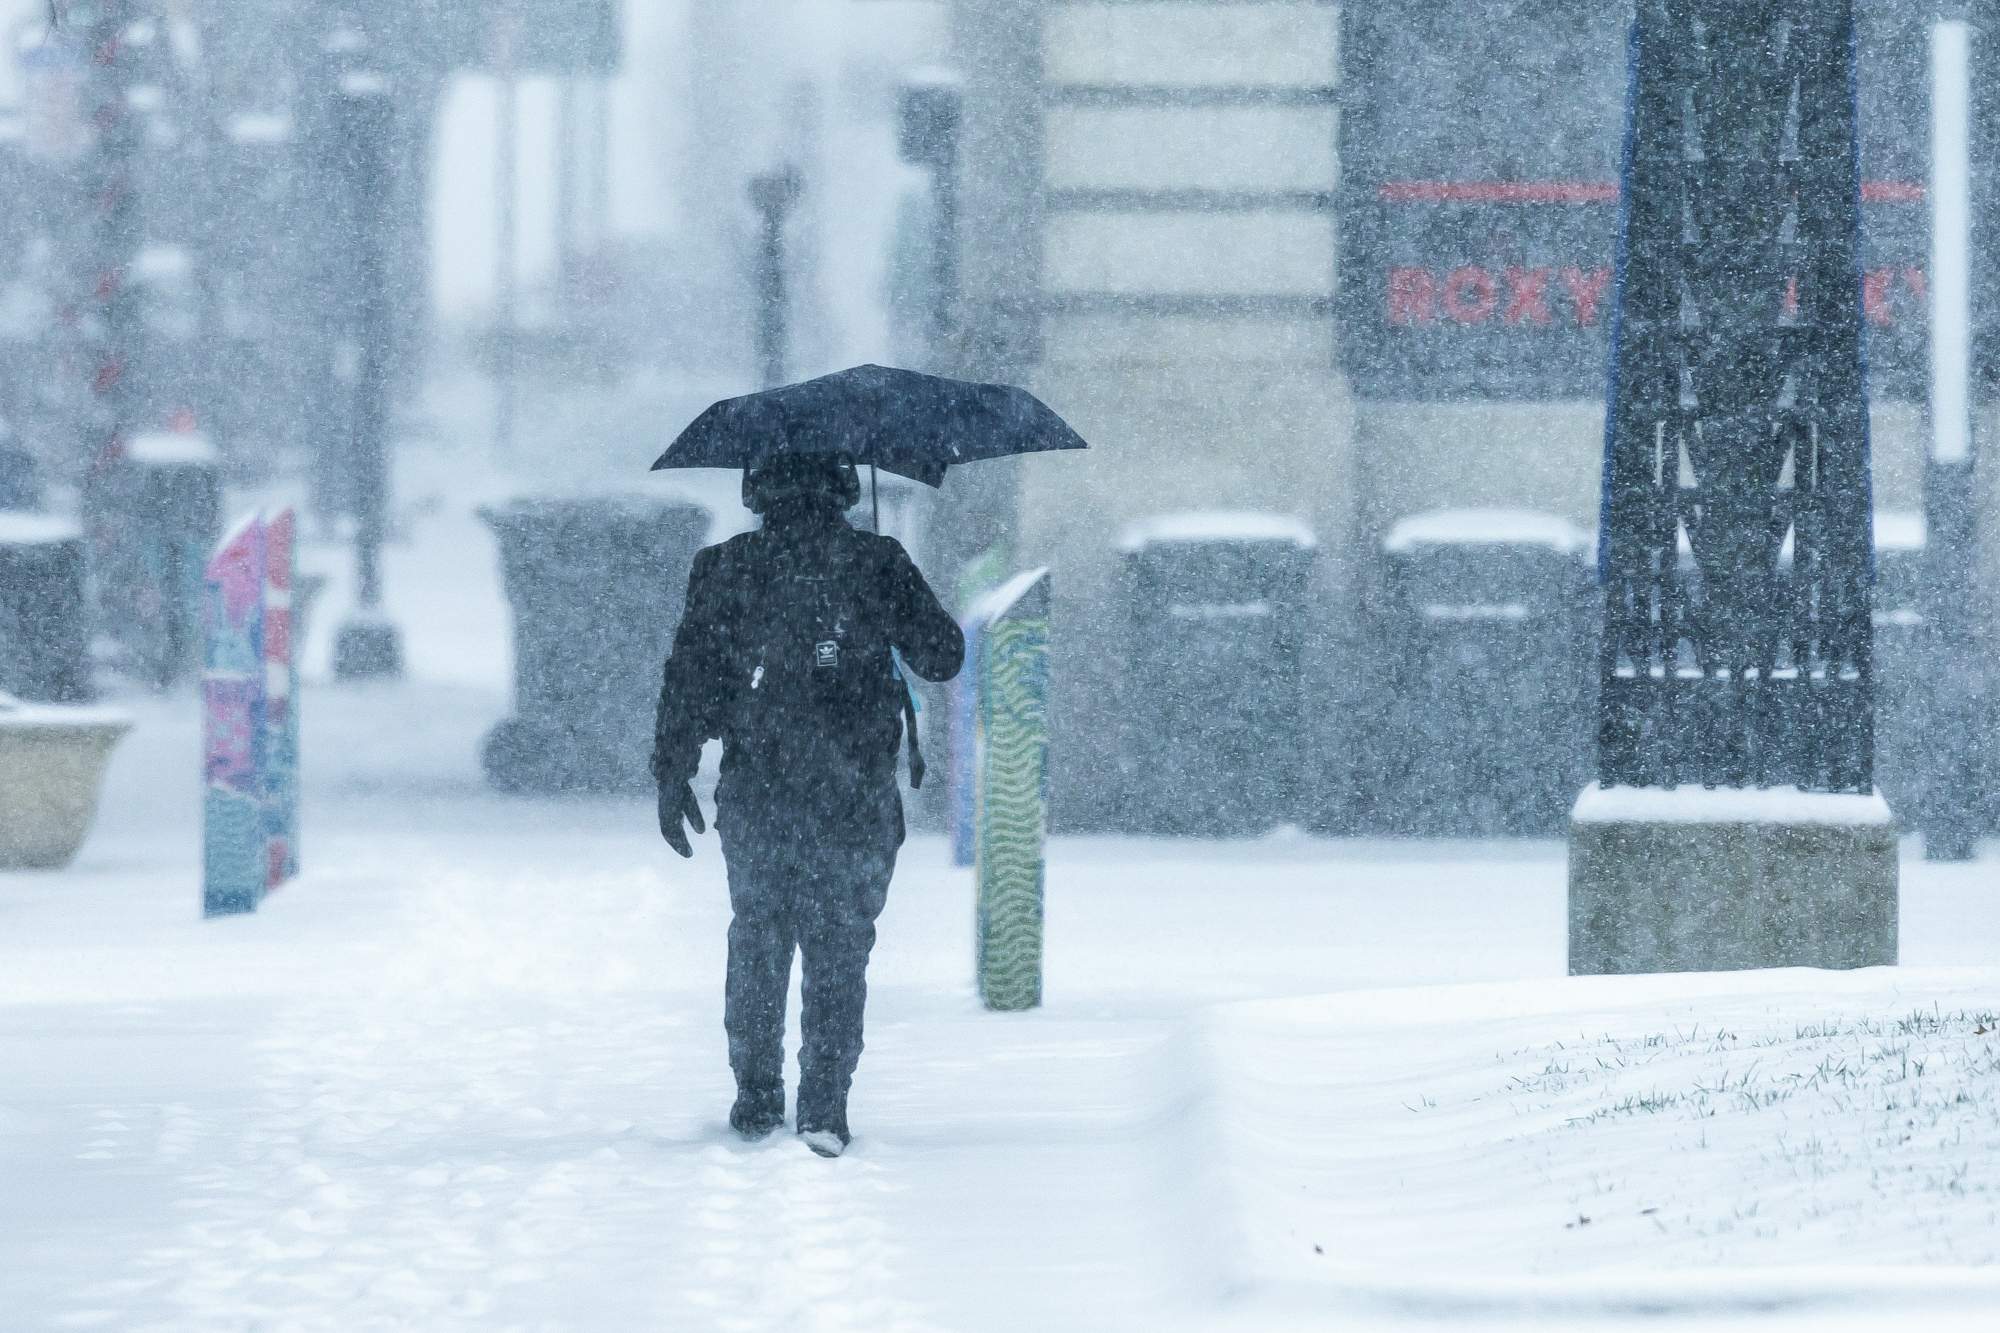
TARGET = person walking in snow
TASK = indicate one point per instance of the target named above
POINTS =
(787, 653)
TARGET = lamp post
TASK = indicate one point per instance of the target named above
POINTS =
(569, 124)
(114, 230)
(929, 108)
(368, 645)
(506, 317)
(773, 194)
(108, 316)
(1950, 829)
(973, 529)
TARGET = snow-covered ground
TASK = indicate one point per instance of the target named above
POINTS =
(1699, 1143)
(468, 1073)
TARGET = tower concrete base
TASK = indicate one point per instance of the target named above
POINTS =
(1695, 880)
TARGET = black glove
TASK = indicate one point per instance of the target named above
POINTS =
(677, 803)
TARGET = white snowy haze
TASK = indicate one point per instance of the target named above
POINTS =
(1322, 619)
(712, 91)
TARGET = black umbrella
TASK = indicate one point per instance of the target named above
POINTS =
(913, 424)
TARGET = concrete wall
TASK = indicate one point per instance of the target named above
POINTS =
(1145, 241)
(1148, 245)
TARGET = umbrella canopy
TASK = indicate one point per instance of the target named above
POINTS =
(909, 423)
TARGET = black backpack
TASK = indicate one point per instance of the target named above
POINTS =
(813, 660)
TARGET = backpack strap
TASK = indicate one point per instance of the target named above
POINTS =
(917, 765)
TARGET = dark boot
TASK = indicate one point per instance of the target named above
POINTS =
(825, 1131)
(822, 1118)
(758, 1111)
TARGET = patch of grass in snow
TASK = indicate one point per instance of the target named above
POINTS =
(1834, 1123)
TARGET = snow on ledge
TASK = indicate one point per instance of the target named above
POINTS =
(22, 528)
(1216, 525)
(18, 716)
(172, 449)
(1728, 805)
(1487, 527)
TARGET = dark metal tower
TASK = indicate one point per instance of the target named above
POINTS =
(1736, 542)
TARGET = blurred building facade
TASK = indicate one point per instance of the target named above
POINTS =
(1350, 264)
(1147, 240)
(243, 235)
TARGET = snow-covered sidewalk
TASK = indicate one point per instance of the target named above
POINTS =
(469, 1072)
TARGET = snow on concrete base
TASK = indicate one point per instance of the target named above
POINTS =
(1702, 880)
(1728, 805)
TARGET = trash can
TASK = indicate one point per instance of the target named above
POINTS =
(164, 500)
(1211, 725)
(44, 609)
(1485, 633)
(596, 585)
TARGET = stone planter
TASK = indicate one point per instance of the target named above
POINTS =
(52, 762)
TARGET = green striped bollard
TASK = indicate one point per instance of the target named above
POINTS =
(1012, 789)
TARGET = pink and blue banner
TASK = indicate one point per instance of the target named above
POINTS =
(281, 702)
(249, 694)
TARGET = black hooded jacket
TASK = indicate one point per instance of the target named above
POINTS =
(783, 653)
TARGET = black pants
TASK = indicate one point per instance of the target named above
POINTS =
(821, 901)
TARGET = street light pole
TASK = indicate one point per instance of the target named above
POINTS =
(109, 319)
(773, 195)
(506, 387)
(929, 110)
(368, 645)
(598, 201)
(115, 226)
(1950, 827)
(568, 209)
